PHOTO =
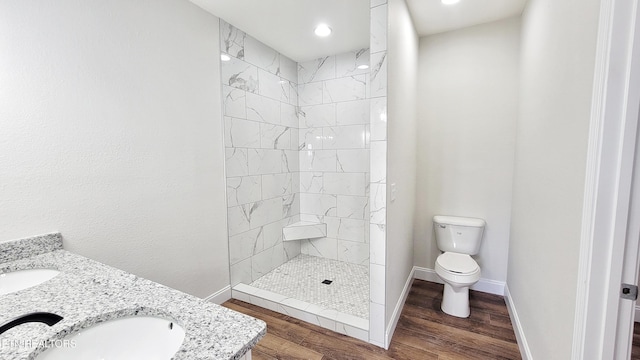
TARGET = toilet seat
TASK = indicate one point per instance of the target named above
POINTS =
(457, 264)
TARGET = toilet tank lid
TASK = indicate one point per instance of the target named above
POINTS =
(459, 221)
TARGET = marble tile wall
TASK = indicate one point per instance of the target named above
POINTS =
(260, 98)
(334, 128)
(378, 178)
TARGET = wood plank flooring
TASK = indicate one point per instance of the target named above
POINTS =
(635, 350)
(423, 332)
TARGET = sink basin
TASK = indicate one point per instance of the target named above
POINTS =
(134, 337)
(24, 279)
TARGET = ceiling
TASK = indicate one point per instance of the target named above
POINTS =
(432, 17)
(287, 25)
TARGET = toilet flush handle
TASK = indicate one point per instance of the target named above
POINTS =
(442, 226)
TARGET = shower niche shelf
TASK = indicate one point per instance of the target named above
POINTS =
(304, 230)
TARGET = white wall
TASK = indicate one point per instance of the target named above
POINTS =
(112, 134)
(468, 91)
(557, 67)
(401, 150)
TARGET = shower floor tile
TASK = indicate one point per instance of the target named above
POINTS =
(302, 278)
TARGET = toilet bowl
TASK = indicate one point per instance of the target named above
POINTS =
(458, 272)
(458, 238)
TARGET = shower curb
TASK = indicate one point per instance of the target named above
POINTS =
(327, 318)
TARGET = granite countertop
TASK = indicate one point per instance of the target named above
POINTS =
(88, 292)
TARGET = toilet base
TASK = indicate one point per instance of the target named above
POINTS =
(455, 301)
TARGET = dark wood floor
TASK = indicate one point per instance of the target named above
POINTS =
(635, 350)
(423, 332)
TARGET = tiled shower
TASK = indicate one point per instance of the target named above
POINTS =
(298, 145)
(261, 154)
(333, 137)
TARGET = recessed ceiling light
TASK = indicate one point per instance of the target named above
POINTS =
(363, 66)
(450, 2)
(322, 30)
(225, 57)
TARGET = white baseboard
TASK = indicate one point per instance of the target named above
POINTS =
(517, 326)
(484, 285)
(220, 296)
(391, 328)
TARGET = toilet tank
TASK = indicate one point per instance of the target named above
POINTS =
(458, 234)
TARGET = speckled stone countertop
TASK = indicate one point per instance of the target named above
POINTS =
(88, 292)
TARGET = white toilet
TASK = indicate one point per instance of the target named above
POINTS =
(458, 238)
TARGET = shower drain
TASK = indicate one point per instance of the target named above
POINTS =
(327, 282)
